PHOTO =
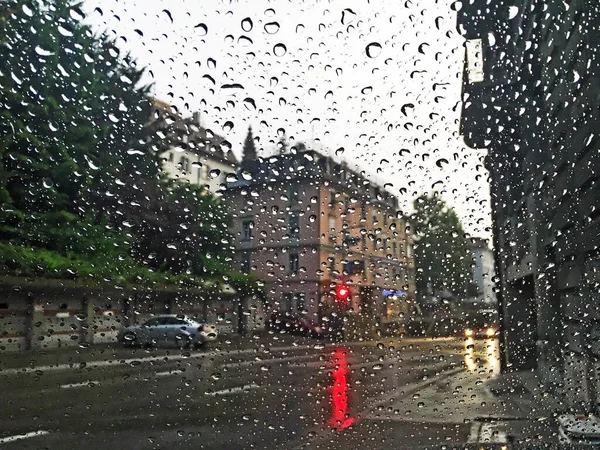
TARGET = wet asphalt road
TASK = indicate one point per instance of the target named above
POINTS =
(401, 394)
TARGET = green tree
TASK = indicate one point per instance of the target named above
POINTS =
(442, 258)
(250, 154)
(73, 111)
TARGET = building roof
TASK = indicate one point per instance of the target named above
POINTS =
(312, 165)
(188, 134)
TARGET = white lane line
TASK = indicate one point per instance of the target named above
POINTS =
(474, 433)
(167, 373)
(18, 437)
(234, 390)
(90, 383)
(489, 434)
(269, 361)
(121, 362)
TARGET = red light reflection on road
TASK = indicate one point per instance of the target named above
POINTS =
(340, 417)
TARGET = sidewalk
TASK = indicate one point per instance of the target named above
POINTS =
(526, 390)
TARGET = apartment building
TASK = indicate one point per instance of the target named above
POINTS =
(198, 155)
(305, 223)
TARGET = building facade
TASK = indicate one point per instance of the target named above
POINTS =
(532, 78)
(306, 224)
(483, 272)
(197, 155)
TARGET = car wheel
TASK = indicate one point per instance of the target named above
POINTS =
(182, 342)
(129, 339)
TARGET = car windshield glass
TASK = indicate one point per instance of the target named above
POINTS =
(294, 224)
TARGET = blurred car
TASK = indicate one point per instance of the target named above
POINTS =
(481, 332)
(170, 329)
(286, 323)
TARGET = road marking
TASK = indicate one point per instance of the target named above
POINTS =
(90, 383)
(474, 433)
(157, 358)
(489, 434)
(163, 358)
(168, 372)
(269, 361)
(234, 390)
(18, 437)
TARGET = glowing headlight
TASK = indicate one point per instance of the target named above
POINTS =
(468, 332)
(490, 332)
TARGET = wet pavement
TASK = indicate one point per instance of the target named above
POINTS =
(392, 394)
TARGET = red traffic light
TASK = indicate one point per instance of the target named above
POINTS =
(342, 293)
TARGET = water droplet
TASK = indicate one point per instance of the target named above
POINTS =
(441, 162)
(406, 107)
(312, 218)
(247, 24)
(380, 346)
(201, 29)
(27, 10)
(373, 50)
(227, 126)
(245, 40)
(271, 27)
(47, 183)
(264, 368)
(340, 151)
(279, 49)
(214, 173)
(250, 103)
(168, 14)
(231, 178)
(42, 51)
(366, 90)
(77, 14)
(378, 367)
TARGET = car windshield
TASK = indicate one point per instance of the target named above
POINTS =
(248, 224)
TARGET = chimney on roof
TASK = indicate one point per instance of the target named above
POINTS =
(196, 117)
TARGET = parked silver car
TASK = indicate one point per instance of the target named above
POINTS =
(170, 329)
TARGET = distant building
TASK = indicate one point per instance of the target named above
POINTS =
(305, 223)
(198, 155)
(483, 272)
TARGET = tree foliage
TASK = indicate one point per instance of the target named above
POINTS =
(80, 171)
(442, 257)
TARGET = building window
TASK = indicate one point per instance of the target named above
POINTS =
(332, 226)
(293, 194)
(332, 197)
(246, 262)
(395, 251)
(409, 251)
(294, 263)
(331, 264)
(294, 226)
(170, 156)
(247, 226)
(185, 164)
(288, 302)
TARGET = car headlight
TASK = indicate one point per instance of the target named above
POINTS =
(468, 332)
(490, 332)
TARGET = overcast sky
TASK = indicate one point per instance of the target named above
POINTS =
(379, 79)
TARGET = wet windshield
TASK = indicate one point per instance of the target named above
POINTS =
(299, 224)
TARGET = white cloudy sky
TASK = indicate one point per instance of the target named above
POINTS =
(306, 69)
